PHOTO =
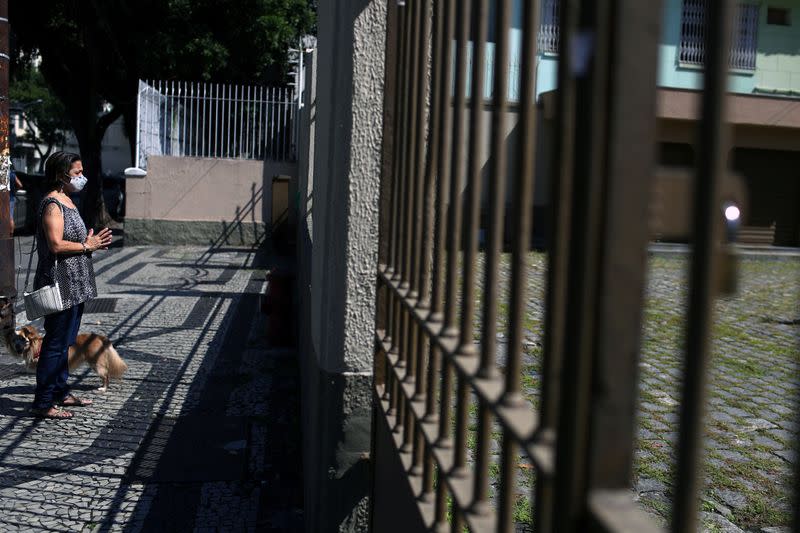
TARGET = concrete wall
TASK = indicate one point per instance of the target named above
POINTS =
(197, 200)
(337, 259)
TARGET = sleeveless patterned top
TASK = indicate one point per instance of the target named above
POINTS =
(74, 272)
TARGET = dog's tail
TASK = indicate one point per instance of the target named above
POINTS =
(116, 366)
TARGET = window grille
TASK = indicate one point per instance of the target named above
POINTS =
(548, 29)
(743, 40)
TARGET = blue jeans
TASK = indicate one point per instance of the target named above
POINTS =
(52, 371)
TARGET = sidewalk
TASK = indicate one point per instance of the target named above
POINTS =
(203, 432)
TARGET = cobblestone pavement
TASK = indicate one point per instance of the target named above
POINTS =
(753, 382)
(200, 435)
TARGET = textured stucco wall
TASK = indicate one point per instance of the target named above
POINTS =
(337, 256)
(348, 168)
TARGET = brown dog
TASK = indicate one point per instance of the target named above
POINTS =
(93, 349)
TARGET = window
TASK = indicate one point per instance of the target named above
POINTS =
(548, 29)
(743, 40)
(778, 16)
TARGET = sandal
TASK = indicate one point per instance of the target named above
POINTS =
(52, 413)
(71, 400)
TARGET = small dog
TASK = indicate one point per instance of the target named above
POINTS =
(93, 349)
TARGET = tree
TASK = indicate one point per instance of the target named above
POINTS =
(95, 51)
(41, 109)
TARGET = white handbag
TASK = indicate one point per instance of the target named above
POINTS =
(44, 301)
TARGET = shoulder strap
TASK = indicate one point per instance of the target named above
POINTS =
(46, 200)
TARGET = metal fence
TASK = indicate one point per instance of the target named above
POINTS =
(440, 394)
(196, 119)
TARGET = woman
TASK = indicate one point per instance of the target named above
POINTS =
(61, 235)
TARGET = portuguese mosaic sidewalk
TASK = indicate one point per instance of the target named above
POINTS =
(200, 435)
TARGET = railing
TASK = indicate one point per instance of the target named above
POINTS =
(443, 394)
(189, 119)
(548, 29)
(744, 36)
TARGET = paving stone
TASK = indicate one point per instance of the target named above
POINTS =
(787, 455)
(650, 485)
(735, 500)
(752, 424)
(765, 441)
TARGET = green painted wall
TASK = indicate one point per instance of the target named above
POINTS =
(777, 60)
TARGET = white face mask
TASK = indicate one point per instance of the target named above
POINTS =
(78, 182)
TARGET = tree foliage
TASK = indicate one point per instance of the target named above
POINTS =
(95, 51)
(41, 109)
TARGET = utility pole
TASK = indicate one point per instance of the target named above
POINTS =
(8, 290)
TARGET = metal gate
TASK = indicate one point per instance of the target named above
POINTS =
(430, 371)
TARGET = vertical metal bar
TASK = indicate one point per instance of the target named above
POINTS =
(171, 117)
(262, 126)
(251, 117)
(632, 64)
(588, 189)
(138, 162)
(458, 156)
(560, 220)
(497, 186)
(441, 149)
(427, 373)
(246, 119)
(394, 250)
(386, 315)
(162, 123)
(217, 128)
(413, 179)
(193, 118)
(413, 207)
(279, 126)
(712, 156)
(458, 147)
(479, 16)
(393, 270)
(281, 97)
(237, 130)
(405, 212)
(287, 105)
(184, 113)
(228, 101)
(206, 121)
(271, 113)
(284, 109)
(422, 220)
(209, 117)
(522, 204)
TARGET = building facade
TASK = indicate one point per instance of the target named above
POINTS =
(764, 103)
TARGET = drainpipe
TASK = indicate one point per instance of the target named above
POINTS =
(8, 291)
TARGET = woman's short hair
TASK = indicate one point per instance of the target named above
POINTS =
(57, 166)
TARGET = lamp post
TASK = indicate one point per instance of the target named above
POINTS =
(8, 290)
